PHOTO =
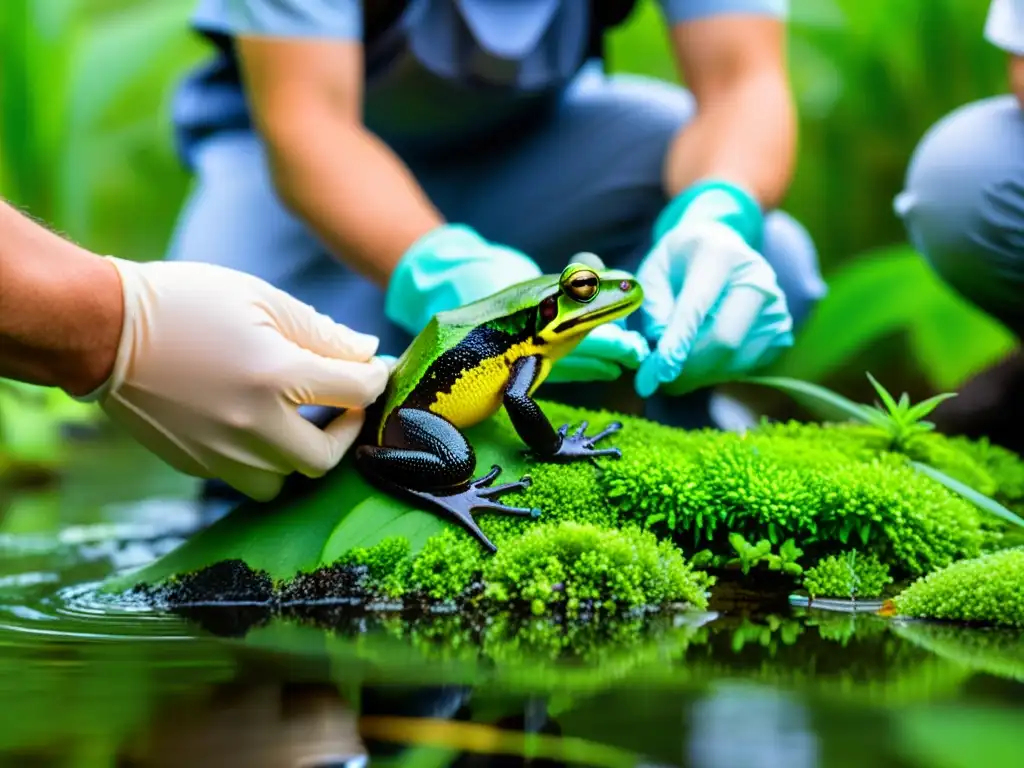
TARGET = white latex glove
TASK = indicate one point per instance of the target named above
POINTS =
(213, 364)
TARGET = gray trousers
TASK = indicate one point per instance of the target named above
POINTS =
(963, 205)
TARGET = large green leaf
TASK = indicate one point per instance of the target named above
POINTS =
(119, 86)
(889, 291)
(317, 522)
(953, 340)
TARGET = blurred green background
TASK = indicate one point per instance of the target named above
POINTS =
(85, 144)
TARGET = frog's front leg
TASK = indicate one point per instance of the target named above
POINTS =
(536, 431)
(427, 459)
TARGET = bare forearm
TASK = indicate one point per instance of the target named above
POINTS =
(353, 191)
(746, 135)
(1017, 78)
(61, 308)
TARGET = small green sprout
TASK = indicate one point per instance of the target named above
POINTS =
(749, 555)
(786, 559)
(900, 420)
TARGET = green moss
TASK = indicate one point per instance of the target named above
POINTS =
(846, 576)
(987, 589)
(583, 567)
(560, 491)
(781, 497)
(387, 565)
(446, 566)
(827, 488)
(1004, 467)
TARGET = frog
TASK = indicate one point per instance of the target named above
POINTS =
(467, 364)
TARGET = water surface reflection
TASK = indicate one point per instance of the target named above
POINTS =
(84, 682)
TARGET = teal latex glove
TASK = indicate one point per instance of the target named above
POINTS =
(712, 303)
(453, 265)
(448, 267)
(602, 355)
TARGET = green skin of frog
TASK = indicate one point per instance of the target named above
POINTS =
(468, 363)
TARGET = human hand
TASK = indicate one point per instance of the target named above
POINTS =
(601, 356)
(213, 364)
(711, 301)
(448, 268)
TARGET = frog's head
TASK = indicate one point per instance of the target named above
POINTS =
(584, 296)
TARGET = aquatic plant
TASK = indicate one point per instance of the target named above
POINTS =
(749, 556)
(987, 589)
(848, 575)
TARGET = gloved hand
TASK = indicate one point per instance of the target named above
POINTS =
(711, 301)
(213, 364)
(602, 355)
(448, 267)
(453, 265)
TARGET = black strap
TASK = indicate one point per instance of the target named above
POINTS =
(380, 15)
(603, 17)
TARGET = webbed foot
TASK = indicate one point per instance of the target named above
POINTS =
(478, 495)
(579, 446)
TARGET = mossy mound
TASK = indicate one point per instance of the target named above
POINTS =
(985, 590)
(564, 569)
(812, 491)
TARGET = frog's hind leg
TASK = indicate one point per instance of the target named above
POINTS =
(426, 459)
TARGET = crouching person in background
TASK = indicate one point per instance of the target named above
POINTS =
(963, 207)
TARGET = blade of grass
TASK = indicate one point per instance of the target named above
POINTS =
(925, 407)
(978, 499)
(823, 402)
(883, 393)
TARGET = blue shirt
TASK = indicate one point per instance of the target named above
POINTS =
(446, 75)
(1004, 26)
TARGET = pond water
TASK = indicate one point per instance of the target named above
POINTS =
(754, 682)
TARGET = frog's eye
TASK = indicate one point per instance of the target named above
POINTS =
(582, 285)
(549, 308)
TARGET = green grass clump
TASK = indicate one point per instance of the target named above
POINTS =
(987, 589)
(562, 569)
(580, 565)
(567, 565)
(847, 575)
